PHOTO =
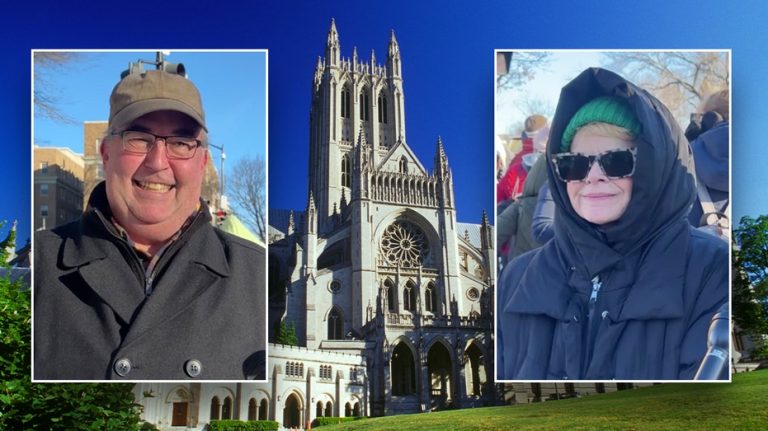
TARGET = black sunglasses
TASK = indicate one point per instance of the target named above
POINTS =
(574, 167)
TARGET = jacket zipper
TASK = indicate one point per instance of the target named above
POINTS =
(591, 323)
(596, 285)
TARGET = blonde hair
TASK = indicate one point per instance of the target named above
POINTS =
(606, 130)
(719, 102)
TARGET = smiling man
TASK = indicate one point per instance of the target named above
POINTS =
(143, 287)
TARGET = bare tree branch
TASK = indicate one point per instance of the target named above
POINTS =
(522, 67)
(679, 79)
(46, 100)
(246, 189)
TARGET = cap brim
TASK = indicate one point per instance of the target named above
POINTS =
(143, 107)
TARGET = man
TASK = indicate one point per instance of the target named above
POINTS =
(143, 287)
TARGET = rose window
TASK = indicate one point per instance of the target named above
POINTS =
(405, 244)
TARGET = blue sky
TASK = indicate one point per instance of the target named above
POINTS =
(448, 69)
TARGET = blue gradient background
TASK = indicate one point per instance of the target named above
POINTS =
(448, 67)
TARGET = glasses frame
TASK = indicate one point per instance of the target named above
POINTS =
(156, 138)
(596, 158)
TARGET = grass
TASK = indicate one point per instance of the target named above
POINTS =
(741, 405)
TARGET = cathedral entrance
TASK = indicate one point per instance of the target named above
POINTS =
(403, 371)
(439, 366)
(292, 412)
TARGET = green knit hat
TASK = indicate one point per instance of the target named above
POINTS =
(606, 109)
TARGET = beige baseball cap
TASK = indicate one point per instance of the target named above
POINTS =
(154, 90)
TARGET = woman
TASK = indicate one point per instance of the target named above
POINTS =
(627, 288)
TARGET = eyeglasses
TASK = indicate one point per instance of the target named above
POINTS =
(176, 147)
(615, 164)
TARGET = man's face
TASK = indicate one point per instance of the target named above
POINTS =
(151, 195)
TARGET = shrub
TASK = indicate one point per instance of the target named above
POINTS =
(235, 425)
(332, 420)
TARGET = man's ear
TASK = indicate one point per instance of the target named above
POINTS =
(104, 150)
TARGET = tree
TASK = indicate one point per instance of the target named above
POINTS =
(28, 406)
(46, 100)
(286, 334)
(679, 79)
(750, 275)
(517, 67)
(247, 190)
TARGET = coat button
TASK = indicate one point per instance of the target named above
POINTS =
(193, 368)
(123, 367)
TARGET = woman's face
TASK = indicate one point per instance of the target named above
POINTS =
(599, 199)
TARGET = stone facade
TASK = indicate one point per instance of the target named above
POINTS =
(58, 189)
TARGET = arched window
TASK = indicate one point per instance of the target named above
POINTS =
(263, 409)
(347, 410)
(215, 408)
(391, 297)
(356, 410)
(226, 408)
(382, 108)
(329, 409)
(430, 298)
(409, 297)
(252, 410)
(365, 113)
(335, 325)
(346, 172)
(346, 103)
(319, 410)
(403, 165)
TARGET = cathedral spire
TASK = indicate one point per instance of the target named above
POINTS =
(354, 57)
(311, 217)
(393, 56)
(332, 51)
(441, 160)
(486, 240)
(291, 224)
(373, 60)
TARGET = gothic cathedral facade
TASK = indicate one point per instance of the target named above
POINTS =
(380, 267)
(390, 297)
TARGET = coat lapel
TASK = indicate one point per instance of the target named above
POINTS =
(194, 270)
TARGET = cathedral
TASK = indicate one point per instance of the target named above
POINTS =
(389, 296)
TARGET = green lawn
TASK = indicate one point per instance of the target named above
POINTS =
(741, 405)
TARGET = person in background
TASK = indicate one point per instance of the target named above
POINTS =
(711, 155)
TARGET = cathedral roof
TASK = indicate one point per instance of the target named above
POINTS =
(473, 230)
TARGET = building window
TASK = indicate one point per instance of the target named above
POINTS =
(263, 408)
(252, 410)
(335, 325)
(346, 172)
(215, 406)
(43, 189)
(391, 299)
(326, 372)
(43, 210)
(473, 294)
(346, 103)
(329, 409)
(364, 106)
(409, 297)
(44, 168)
(382, 108)
(430, 298)
(226, 409)
(294, 369)
(403, 165)
(335, 286)
(404, 244)
(319, 410)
